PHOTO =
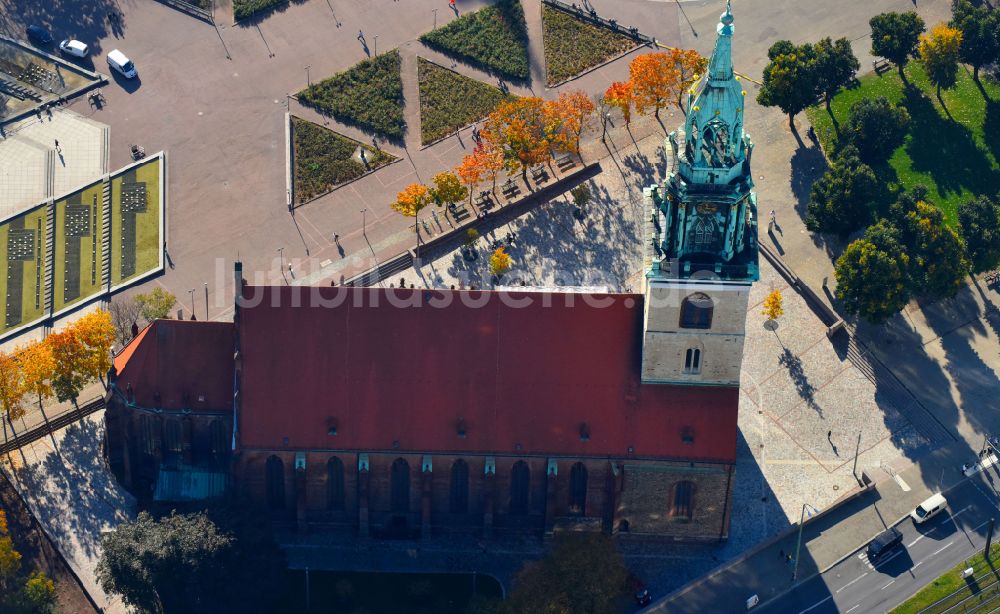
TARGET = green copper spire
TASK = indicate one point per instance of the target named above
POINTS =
(705, 214)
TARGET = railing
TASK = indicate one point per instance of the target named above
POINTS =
(592, 16)
(19, 440)
(195, 11)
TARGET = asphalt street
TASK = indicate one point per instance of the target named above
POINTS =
(930, 549)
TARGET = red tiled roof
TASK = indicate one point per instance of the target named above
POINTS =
(176, 358)
(523, 378)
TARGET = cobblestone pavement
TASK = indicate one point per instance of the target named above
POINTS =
(74, 496)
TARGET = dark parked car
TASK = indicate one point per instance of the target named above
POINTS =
(39, 35)
(883, 543)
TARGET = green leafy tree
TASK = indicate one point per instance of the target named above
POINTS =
(939, 51)
(876, 127)
(448, 189)
(790, 80)
(835, 68)
(895, 36)
(581, 195)
(872, 274)
(583, 573)
(938, 261)
(38, 595)
(844, 198)
(980, 26)
(979, 223)
(156, 304)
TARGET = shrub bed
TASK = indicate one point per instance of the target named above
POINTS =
(494, 38)
(368, 95)
(323, 159)
(573, 45)
(449, 101)
(245, 8)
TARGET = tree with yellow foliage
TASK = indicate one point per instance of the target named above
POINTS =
(448, 189)
(410, 201)
(568, 116)
(71, 357)
(500, 262)
(619, 96)
(10, 559)
(519, 130)
(12, 390)
(97, 334)
(939, 51)
(654, 78)
(38, 367)
(773, 305)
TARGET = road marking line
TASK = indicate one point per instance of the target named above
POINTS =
(816, 605)
(982, 525)
(852, 609)
(887, 585)
(910, 545)
(852, 581)
(943, 547)
(918, 564)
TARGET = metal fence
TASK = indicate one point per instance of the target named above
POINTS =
(589, 14)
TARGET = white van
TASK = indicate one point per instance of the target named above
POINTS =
(933, 506)
(120, 63)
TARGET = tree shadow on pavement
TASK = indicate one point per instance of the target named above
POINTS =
(807, 165)
(802, 385)
(74, 495)
(84, 21)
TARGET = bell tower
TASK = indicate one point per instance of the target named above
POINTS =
(701, 236)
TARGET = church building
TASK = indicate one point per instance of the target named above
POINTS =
(404, 413)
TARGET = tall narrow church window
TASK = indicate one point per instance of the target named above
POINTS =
(459, 487)
(520, 482)
(400, 486)
(692, 361)
(335, 483)
(696, 311)
(682, 500)
(275, 483)
(578, 490)
(218, 440)
(146, 433)
(172, 435)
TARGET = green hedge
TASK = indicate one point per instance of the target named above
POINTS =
(368, 95)
(245, 8)
(323, 159)
(449, 101)
(573, 45)
(494, 38)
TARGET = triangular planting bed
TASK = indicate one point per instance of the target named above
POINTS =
(449, 101)
(323, 160)
(494, 38)
(574, 45)
(368, 95)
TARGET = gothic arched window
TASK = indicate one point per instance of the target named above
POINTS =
(696, 311)
(335, 483)
(400, 486)
(217, 440)
(692, 361)
(459, 487)
(703, 234)
(275, 483)
(520, 483)
(578, 490)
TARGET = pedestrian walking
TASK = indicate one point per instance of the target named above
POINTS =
(829, 435)
(774, 220)
(361, 36)
(336, 238)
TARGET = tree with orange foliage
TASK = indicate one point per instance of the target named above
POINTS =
(412, 199)
(470, 172)
(654, 78)
(567, 117)
(39, 367)
(619, 96)
(689, 64)
(70, 356)
(97, 334)
(491, 160)
(12, 390)
(518, 129)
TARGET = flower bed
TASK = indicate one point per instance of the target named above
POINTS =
(573, 45)
(368, 95)
(449, 101)
(494, 38)
(324, 159)
(245, 8)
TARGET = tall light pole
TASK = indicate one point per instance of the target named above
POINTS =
(281, 263)
(798, 546)
(435, 11)
(376, 45)
(363, 233)
(192, 301)
(206, 301)
(308, 80)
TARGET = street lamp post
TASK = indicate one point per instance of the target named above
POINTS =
(363, 233)
(376, 45)
(192, 301)
(308, 80)
(281, 263)
(798, 546)
(206, 301)
(435, 11)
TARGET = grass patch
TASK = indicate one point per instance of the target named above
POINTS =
(955, 156)
(949, 583)
(79, 247)
(135, 238)
(22, 267)
(245, 8)
(323, 159)
(573, 45)
(449, 101)
(494, 38)
(368, 95)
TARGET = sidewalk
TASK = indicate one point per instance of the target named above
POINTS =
(33, 417)
(827, 538)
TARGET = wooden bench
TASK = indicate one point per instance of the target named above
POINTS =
(538, 174)
(509, 188)
(880, 65)
(565, 161)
